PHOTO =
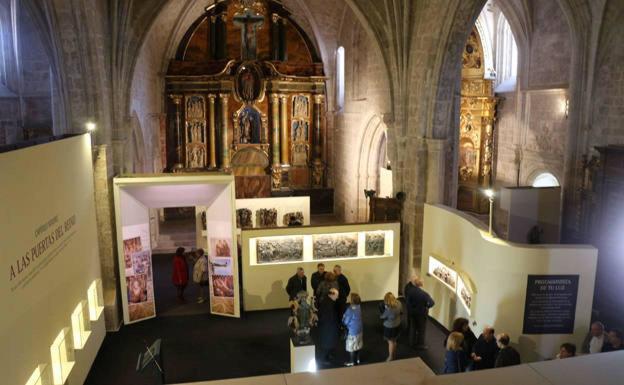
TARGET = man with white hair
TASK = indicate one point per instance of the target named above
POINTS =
(418, 304)
(595, 339)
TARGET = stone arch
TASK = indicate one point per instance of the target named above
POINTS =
(374, 135)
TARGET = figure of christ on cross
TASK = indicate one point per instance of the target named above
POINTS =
(249, 23)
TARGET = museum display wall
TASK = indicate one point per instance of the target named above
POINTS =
(368, 254)
(497, 275)
(52, 322)
(135, 196)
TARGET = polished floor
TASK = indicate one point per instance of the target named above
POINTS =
(205, 347)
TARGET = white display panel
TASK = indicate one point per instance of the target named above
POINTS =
(62, 355)
(443, 273)
(265, 276)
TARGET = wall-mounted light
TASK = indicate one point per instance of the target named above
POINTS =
(567, 108)
(90, 127)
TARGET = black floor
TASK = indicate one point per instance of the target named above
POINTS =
(205, 347)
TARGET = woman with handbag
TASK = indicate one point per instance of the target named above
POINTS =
(200, 273)
(352, 320)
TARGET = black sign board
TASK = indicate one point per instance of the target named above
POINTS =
(550, 304)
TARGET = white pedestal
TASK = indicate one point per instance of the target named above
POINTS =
(302, 358)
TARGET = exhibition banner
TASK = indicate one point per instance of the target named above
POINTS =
(221, 277)
(550, 305)
(49, 257)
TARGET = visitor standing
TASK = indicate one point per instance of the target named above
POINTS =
(352, 319)
(418, 304)
(507, 356)
(615, 341)
(328, 324)
(485, 350)
(391, 316)
(343, 289)
(317, 277)
(455, 357)
(462, 325)
(200, 273)
(329, 282)
(296, 283)
(180, 273)
(595, 339)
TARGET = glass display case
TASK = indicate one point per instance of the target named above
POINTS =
(443, 273)
(266, 250)
(96, 300)
(62, 354)
(81, 326)
(40, 376)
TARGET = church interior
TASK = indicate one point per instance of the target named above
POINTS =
(472, 150)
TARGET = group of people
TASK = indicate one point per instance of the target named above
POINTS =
(180, 272)
(336, 317)
(466, 352)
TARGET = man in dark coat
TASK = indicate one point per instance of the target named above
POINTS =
(507, 356)
(343, 290)
(296, 283)
(418, 304)
(328, 326)
(485, 350)
(318, 276)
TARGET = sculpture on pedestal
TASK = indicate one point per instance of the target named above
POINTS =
(303, 316)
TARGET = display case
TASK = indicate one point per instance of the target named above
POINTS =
(81, 327)
(62, 355)
(368, 254)
(443, 273)
(95, 299)
(321, 247)
(40, 376)
(465, 294)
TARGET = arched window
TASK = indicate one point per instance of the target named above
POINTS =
(545, 179)
(506, 56)
(3, 75)
(340, 78)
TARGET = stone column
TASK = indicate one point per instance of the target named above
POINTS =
(436, 166)
(225, 144)
(177, 100)
(317, 165)
(276, 169)
(284, 124)
(212, 131)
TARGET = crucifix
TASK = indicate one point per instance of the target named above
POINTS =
(249, 22)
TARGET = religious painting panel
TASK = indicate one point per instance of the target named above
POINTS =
(335, 246)
(195, 131)
(375, 243)
(301, 107)
(299, 154)
(279, 249)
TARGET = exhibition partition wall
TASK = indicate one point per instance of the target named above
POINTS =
(52, 322)
(540, 294)
(135, 196)
(368, 254)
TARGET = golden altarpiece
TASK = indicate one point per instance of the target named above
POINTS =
(246, 95)
(476, 129)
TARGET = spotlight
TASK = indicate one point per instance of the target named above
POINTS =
(90, 126)
(489, 193)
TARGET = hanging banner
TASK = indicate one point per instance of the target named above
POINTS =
(139, 278)
(221, 277)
